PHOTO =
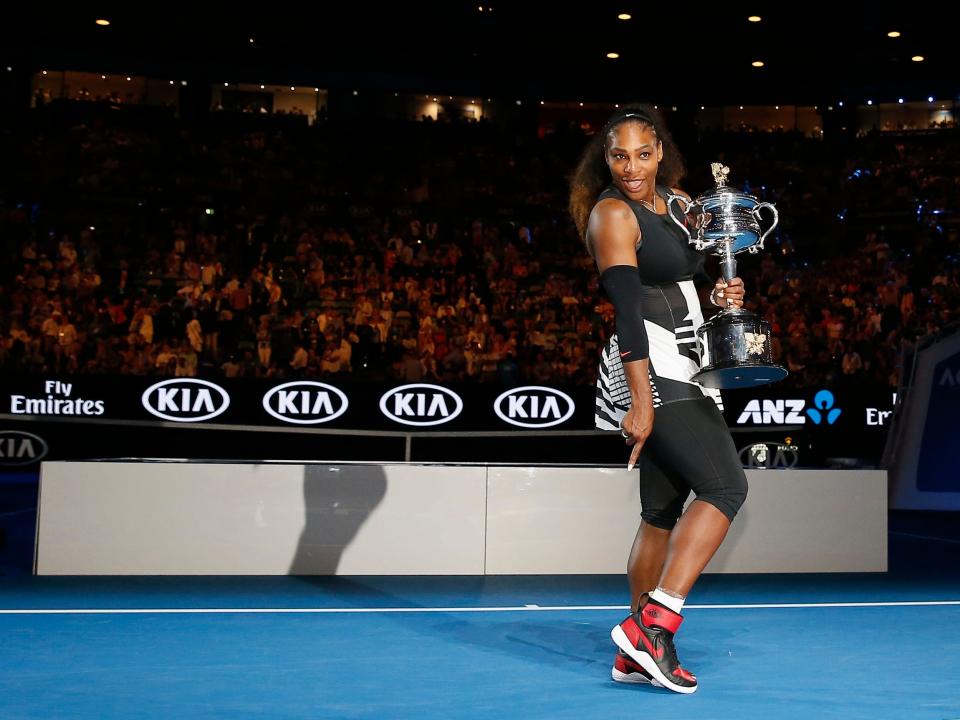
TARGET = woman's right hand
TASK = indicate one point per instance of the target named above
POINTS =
(636, 428)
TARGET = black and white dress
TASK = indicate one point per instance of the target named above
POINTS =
(668, 268)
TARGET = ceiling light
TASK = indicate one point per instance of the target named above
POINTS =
(754, 18)
(103, 22)
(613, 55)
(893, 34)
(624, 16)
(757, 63)
(917, 58)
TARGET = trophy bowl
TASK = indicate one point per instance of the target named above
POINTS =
(734, 345)
(733, 216)
(726, 221)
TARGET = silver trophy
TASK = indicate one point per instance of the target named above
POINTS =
(734, 346)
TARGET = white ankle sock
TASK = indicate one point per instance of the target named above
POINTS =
(667, 600)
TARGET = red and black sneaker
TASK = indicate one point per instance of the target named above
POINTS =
(626, 670)
(647, 639)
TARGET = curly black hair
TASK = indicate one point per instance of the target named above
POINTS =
(592, 173)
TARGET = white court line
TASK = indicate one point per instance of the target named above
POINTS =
(512, 608)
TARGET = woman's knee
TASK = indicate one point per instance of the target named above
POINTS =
(660, 519)
(729, 496)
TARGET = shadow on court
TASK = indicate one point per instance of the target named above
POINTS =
(338, 500)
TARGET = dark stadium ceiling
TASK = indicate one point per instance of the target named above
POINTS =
(554, 51)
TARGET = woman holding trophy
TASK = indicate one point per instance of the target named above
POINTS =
(619, 201)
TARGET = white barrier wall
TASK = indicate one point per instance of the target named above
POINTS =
(553, 520)
(240, 519)
(201, 519)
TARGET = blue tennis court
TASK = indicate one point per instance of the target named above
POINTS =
(783, 646)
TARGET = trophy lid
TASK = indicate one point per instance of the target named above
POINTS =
(720, 174)
(724, 193)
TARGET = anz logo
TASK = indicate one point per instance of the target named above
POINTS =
(773, 412)
(305, 402)
(421, 404)
(824, 409)
(791, 411)
(533, 406)
(185, 400)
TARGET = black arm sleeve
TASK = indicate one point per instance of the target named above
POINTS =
(623, 286)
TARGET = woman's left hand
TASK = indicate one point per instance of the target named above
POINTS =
(728, 294)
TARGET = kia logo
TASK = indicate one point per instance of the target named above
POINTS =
(21, 448)
(421, 404)
(305, 402)
(185, 400)
(533, 406)
(769, 455)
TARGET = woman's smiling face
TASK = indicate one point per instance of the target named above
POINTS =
(633, 155)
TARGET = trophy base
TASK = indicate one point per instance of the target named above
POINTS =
(733, 312)
(735, 351)
(739, 376)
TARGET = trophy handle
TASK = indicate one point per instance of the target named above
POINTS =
(776, 221)
(686, 210)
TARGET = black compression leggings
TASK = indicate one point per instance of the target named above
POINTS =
(690, 448)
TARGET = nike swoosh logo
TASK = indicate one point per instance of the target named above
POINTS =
(624, 354)
(656, 653)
